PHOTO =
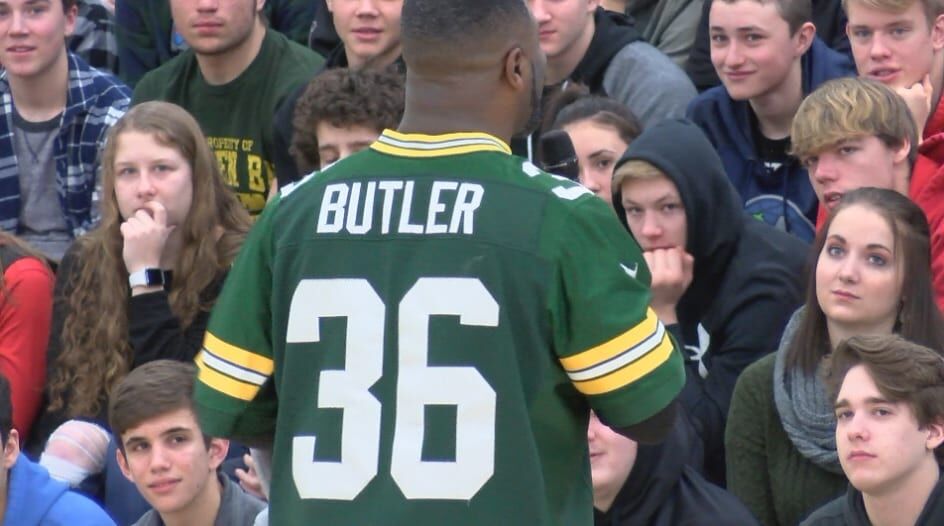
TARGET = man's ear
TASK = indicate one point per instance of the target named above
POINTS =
(935, 435)
(123, 463)
(805, 36)
(71, 14)
(217, 451)
(514, 70)
(901, 153)
(937, 33)
(11, 449)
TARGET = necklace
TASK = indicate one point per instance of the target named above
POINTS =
(29, 145)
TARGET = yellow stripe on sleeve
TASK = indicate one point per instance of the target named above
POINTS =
(241, 357)
(630, 373)
(224, 384)
(616, 346)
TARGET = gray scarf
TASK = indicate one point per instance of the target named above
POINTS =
(805, 410)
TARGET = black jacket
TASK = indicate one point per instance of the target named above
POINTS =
(746, 281)
(662, 491)
(849, 510)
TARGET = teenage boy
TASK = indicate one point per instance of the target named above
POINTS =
(28, 497)
(855, 132)
(587, 44)
(889, 397)
(162, 450)
(231, 79)
(147, 36)
(638, 484)
(900, 43)
(54, 113)
(768, 57)
(342, 112)
(370, 39)
(723, 283)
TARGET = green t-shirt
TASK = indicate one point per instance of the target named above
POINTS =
(237, 116)
(422, 326)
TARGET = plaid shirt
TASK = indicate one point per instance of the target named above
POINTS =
(94, 36)
(96, 100)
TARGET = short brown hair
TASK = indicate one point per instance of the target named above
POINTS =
(345, 97)
(794, 12)
(153, 389)
(932, 8)
(848, 108)
(903, 372)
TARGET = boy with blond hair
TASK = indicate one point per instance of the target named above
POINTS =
(855, 132)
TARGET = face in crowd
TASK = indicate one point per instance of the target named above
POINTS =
(896, 49)
(370, 29)
(216, 27)
(31, 35)
(858, 273)
(752, 47)
(170, 462)
(598, 147)
(655, 212)
(880, 443)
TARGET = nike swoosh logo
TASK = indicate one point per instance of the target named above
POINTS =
(631, 271)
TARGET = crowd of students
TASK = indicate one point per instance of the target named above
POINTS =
(778, 163)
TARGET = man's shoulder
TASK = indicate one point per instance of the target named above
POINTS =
(237, 508)
(293, 60)
(709, 102)
(98, 88)
(830, 514)
(171, 73)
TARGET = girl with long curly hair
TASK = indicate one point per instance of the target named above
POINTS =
(140, 287)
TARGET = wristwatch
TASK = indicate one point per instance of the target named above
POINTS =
(147, 277)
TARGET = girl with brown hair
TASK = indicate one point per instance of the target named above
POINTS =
(140, 287)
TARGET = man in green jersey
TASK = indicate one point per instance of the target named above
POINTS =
(423, 327)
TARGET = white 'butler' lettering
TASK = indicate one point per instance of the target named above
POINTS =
(350, 207)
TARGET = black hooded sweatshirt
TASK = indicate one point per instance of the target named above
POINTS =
(747, 278)
(662, 490)
(849, 510)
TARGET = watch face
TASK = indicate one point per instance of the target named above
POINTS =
(153, 276)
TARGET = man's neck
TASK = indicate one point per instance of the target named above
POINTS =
(376, 62)
(775, 109)
(618, 6)
(436, 108)
(936, 76)
(221, 68)
(903, 504)
(43, 96)
(562, 66)
(203, 510)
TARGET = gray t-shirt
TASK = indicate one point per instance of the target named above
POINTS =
(42, 223)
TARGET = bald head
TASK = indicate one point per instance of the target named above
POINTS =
(453, 35)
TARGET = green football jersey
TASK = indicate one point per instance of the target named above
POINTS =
(424, 327)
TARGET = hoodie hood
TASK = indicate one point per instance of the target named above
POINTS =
(612, 32)
(31, 493)
(651, 481)
(713, 212)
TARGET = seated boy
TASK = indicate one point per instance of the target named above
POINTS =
(28, 497)
(889, 397)
(855, 132)
(343, 111)
(163, 451)
(722, 282)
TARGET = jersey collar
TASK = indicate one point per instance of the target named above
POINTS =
(420, 145)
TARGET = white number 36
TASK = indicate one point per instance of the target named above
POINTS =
(418, 385)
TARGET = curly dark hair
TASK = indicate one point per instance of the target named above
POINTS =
(343, 98)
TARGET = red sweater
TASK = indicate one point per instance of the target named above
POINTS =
(927, 190)
(25, 313)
